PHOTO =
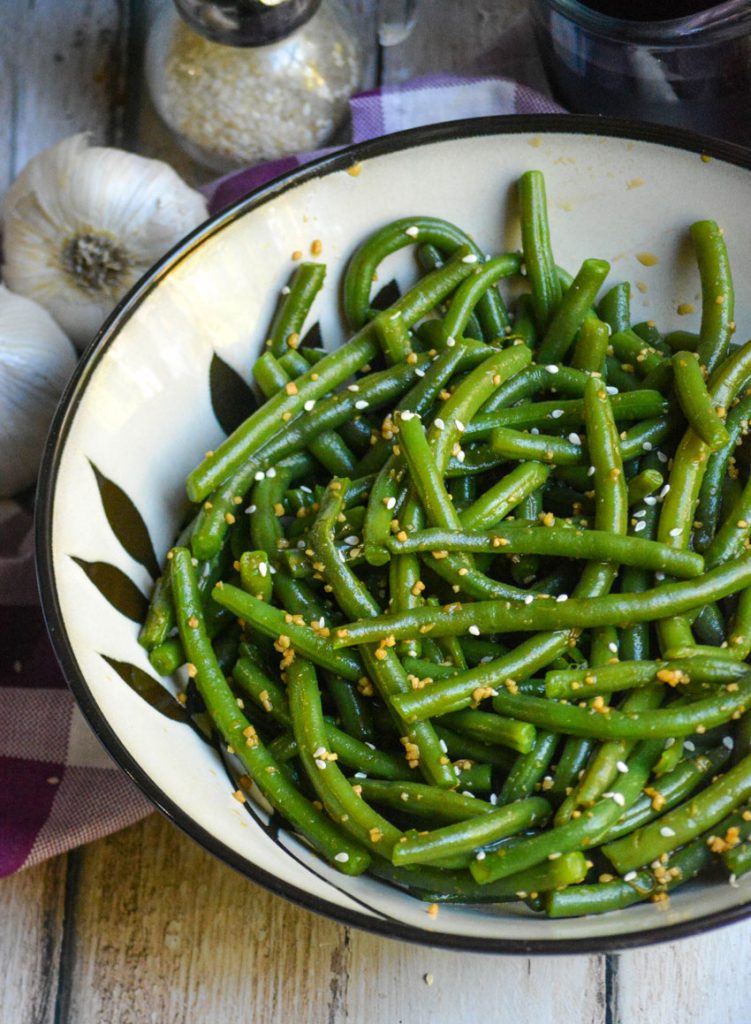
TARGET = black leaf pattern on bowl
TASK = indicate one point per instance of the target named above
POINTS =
(387, 296)
(126, 522)
(313, 337)
(149, 689)
(231, 397)
(116, 587)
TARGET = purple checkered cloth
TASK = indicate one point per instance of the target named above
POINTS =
(58, 787)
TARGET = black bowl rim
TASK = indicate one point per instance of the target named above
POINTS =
(64, 416)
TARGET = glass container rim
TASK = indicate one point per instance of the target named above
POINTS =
(718, 22)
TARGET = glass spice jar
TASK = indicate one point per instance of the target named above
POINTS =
(253, 80)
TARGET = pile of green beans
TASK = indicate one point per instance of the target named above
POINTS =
(468, 599)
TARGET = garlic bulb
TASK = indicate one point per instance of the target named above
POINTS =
(82, 223)
(36, 360)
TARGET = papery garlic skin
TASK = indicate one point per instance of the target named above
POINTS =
(81, 224)
(36, 362)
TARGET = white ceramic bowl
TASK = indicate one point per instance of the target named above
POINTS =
(140, 411)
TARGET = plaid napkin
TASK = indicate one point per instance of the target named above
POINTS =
(58, 787)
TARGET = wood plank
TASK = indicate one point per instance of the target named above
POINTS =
(708, 977)
(31, 911)
(62, 70)
(394, 981)
(164, 932)
(483, 37)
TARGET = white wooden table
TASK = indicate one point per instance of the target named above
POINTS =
(146, 927)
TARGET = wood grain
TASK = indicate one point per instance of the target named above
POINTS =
(63, 72)
(31, 929)
(161, 931)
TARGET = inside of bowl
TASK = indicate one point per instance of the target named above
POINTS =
(144, 414)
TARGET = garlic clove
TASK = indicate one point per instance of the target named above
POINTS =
(83, 223)
(36, 361)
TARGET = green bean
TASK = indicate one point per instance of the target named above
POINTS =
(567, 541)
(458, 692)
(415, 798)
(384, 667)
(732, 536)
(431, 258)
(682, 341)
(635, 725)
(738, 860)
(467, 295)
(628, 675)
(633, 405)
(591, 345)
(538, 256)
(686, 821)
(237, 731)
(244, 445)
(494, 504)
(572, 310)
(696, 402)
(644, 484)
(718, 466)
(575, 834)
(471, 834)
(577, 900)
(670, 789)
(331, 785)
(632, 350)
(581, 613)
(491, 728)
(393, 337)
(255, 574)
(446, 237)
(716, 293)
(294, 307)
(435, 885)
(615, 307)
(529, 768)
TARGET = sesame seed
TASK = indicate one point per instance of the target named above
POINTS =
(728, 742)
(676, 531)
(611, 389)
(529, 598)
(412, 231)
(647, 446)
(574, 438)
(666, 831)
(474, 630)
(270, 473)
(622, 767)
(310, 405)
(263, 568)
(552, 368)
(353, 387)
(638, 527)
(460, 426)
(480, 855)
(469, 258)
(390, 503)
(286, 290)
(438, 422)
(361, 404)
(260, 475)
(650, 500)
(250, 509)
(407, 415)
(341, 857)
(662, 457)
(450, 342)
(360, 775)
(493, 798)
(556, 414)
(320, 763)
(555, 855)
(690, 746)
(591, 471)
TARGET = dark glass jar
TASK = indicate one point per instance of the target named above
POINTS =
(693, 71)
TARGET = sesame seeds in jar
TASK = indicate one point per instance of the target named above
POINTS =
(230, 105)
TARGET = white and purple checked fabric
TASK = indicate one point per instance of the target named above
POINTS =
(58, 787)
